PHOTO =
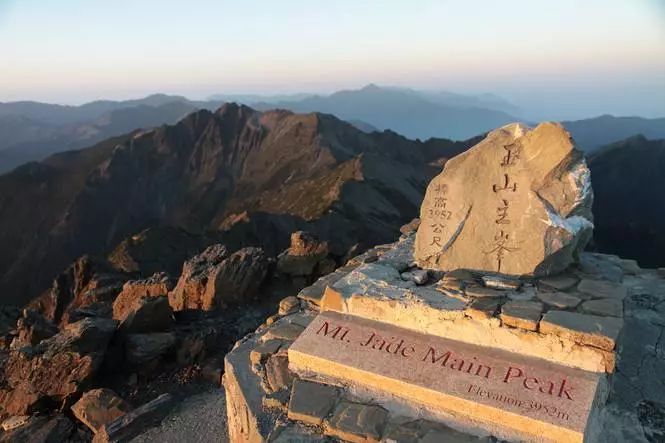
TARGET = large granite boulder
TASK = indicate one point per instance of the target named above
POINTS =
(519, 203)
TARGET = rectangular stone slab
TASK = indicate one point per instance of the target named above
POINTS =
(507, 393)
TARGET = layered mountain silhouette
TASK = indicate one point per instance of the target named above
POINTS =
(241, 175)
(31, 131)
(411, 113)
(629, 209)
(594, 133)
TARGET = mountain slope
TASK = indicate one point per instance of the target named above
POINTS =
(629, 207)
(255, 175)
(593, 133)
(407, 112)
(31, 131)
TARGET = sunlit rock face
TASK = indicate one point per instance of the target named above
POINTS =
(518, 203)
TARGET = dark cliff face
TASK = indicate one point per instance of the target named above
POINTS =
(247, 176)
(629, 206)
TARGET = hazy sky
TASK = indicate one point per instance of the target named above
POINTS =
(566, 58)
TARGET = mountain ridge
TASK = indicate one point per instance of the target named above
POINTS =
(281, 169)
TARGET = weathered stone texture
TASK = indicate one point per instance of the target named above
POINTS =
(518, 203)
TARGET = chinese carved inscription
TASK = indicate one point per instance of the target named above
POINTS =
(518, 203)
(502, 241)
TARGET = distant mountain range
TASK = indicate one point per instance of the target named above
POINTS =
(411, 113)
(31, 131)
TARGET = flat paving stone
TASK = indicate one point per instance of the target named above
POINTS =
(560, 282)
(602, 289)
(283, 331)
(311, 402)
(522, 314)
(483, 308)
(593, 330)
(357, 422)
(559, 300)
(607, 307)
(481, 291)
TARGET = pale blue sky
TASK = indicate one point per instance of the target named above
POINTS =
(581, 56)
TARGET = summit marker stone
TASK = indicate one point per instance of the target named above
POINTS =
(517, 203)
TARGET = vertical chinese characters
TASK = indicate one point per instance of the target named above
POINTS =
(501, 244)
(439, 214)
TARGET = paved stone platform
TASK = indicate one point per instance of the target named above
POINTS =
(268, 402)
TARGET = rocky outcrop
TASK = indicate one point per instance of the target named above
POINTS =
(519, 203)
(146, 314)
(142, 351)
(213, 278)
(306, 256)
(191, 289)
(143, 305)
(56, 370)
(89, 282)
(31, 328)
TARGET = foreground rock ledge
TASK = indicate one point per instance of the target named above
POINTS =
(519, 202)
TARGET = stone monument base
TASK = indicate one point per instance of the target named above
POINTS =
(372, 352)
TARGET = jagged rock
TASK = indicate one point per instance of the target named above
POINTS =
(32, 328)
(87, 281)
(141, 349)
(190, 290)
(518, 203)
(158, 284)
(99, 407)
(212, 279)
(145, 314)
(57, 369)
(238, 277)
(129, 425)
(303, 256)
